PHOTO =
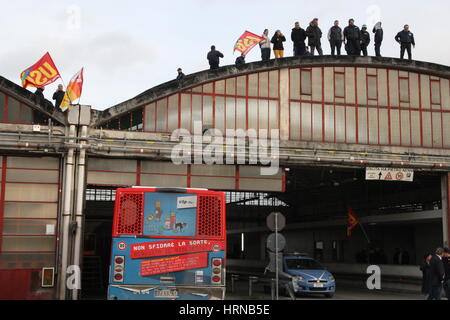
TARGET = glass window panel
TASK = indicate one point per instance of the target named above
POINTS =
(404, 90)
(20, 175)
(197, 89)
(31, 192)
(208, 88)
(253, 85)
(426, 127)
(220, 87)
(28, 244)
(273, 115)
(295, 121)
(207, 111)
(120, 165)
(162, 167)
(339, 85)
(26, 260)
(150, 117)
(161, 114)
(437, 130)
(372, 88)
(395, 127)
(264, 84)
(446, 118)
(230, 113)
(196, 109)
(213, 183)
(2, 106)
(241, 114)
(435, 92)
(373, 125)
(306, 82)
(27, 114)
(362, 125)
(273, 84)
(253, 114)
(294, 82)
(13, 110)
(231, 86)
(33, 162)
(220, 113)
(415, 128)
(263, 114)
(163, 180)
(173, 112)
(242, 86)
(317, 122)
(340, 124)
(186, 111)
(351, 125)
(384, 128)
(27, 226)
(30, 210)
(329, 123)
(306, 118)
(112, 179)
(405, 128)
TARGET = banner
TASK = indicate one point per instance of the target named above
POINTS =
(352, 221)
(174, 264)
(73, 91)
(42, 73)
(173, 247)
(246, 42)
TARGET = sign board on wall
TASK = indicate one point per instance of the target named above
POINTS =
(390, 174)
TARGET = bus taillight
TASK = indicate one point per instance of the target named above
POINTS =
(216, 277)
(119, 266)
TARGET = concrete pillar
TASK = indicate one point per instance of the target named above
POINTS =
(445, 191)
(284, 104)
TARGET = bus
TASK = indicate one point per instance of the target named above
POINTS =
(168, 244)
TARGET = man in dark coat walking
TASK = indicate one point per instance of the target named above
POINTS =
(352, 36)
(214, 58)
(436, 275)
(405, 38)
(378, 30)
(314, 35)
(298, 37)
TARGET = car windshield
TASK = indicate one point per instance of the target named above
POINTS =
(303, 264)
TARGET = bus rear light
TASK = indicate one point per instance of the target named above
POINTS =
(118, 277)
(216, 271)
(118, 260)
(216, 279)
(119, 266)
(217, 262)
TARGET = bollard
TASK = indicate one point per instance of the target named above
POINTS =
(251, 281)
(234, 277)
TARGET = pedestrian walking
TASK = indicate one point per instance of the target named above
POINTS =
(378, 31)
(265, 46)
(335, 37)
(298, 37)
(278, 48)
(425, 268)
(365, 40)
(405, 38)
(314, 35)
(352, 36)
(214, 58)
(436, 275)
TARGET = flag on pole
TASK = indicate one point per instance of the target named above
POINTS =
(42, 73)
(246, 42)
(73, 91)
(352, 221)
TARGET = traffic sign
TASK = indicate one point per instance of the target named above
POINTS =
(390, 174)
(275, 239)
(276, 221)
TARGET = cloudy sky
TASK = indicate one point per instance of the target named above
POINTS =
(127, 47)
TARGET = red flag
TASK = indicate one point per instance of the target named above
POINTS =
(42, 73)
(74, 90)
(246, 42)
(352, 221)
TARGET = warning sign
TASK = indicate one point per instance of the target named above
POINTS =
(390, 174)
(174, 264)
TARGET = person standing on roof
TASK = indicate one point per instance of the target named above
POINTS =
(378, 30)
(265, 46)
(314, 35)
(298, 37)
(365, 40)
(214, 58)
(335, 37)
(277, 40)
(352, 37)
(405, 38)
(58, 96)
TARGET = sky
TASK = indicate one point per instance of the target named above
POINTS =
(127, 47)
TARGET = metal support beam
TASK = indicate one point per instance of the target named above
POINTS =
(445, 191)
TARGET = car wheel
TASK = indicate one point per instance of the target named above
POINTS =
(329, 295)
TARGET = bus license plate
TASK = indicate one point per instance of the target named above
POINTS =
(318, 285)
(166, 293)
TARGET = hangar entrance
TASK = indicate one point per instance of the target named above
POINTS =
(402, 220)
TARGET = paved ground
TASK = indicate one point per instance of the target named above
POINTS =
(341, 294)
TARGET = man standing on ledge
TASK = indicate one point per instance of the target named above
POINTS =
(214, 58)
(58, 96)
(405, 38)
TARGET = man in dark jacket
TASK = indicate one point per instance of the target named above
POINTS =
(405, 38)
(298, 37)
(436, 275)
(336, 37)
(58, 96)
(39, 95)
(446, 261)
(214, 58)
(180, 77)
(378, 38)
(365, 40)
(314, 35)
(352, 37)
(425, 268)
(240, 60)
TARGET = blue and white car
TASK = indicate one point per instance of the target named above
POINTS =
(308, 275)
